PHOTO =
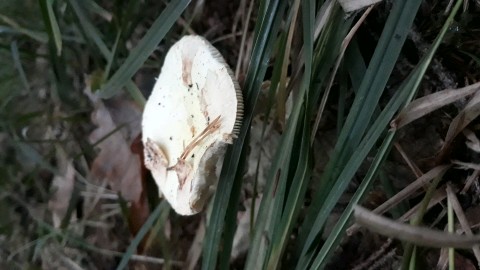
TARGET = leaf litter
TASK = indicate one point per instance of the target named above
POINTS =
(115, 161)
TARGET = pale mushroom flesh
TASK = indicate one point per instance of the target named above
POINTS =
(194, 111)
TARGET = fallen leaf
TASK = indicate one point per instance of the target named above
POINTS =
(427, 104)
(406, 193)
(115, 161)
(465, 117)
(139, 210)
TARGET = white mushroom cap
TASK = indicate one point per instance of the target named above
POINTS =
(195, 109)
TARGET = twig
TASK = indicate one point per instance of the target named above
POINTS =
(413, 234)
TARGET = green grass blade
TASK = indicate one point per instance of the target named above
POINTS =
(18, 65)
(299, 182)
(163, 206)
(261, 46)
(275, 81)
(111, 58)
(326, 51)
(230, 170)
(351, 168)
(407, 257)
(97, 9)
(53, 25)
(336, 234)
(271, 207)
(30, 154)
(231, 219)
(295, 196)
(451, 229)
(88, 27)
(135, 93)
(408, 89)
(94, 35)
(144, 48)
(355, 64)
(41, 37)
(63, 83)
(373, 84)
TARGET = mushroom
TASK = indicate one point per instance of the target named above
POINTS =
(194, 111)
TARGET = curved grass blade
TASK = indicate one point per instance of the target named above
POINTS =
(269, 25)
(358, 120)
(294, 200)
(335, 236)
(144, 48)
(296, 192)
(16, 28)
(93, 34)
(270, 211)
(57, 60)
(408, 89)
(89, 29)
(97, 9)
(18, 65)
(51, 24)
(54, 28)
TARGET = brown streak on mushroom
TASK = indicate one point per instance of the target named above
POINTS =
(154, 155)
(212, 127)
(187, 72)
(192, 129)
(183, 168)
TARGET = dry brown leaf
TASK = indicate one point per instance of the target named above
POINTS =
(438, 196)
(62, 185)
(427, 104)
(406, 193)
(139, 209)
(115, 161)
(466, 165)
(472, 140)
(465, 117)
